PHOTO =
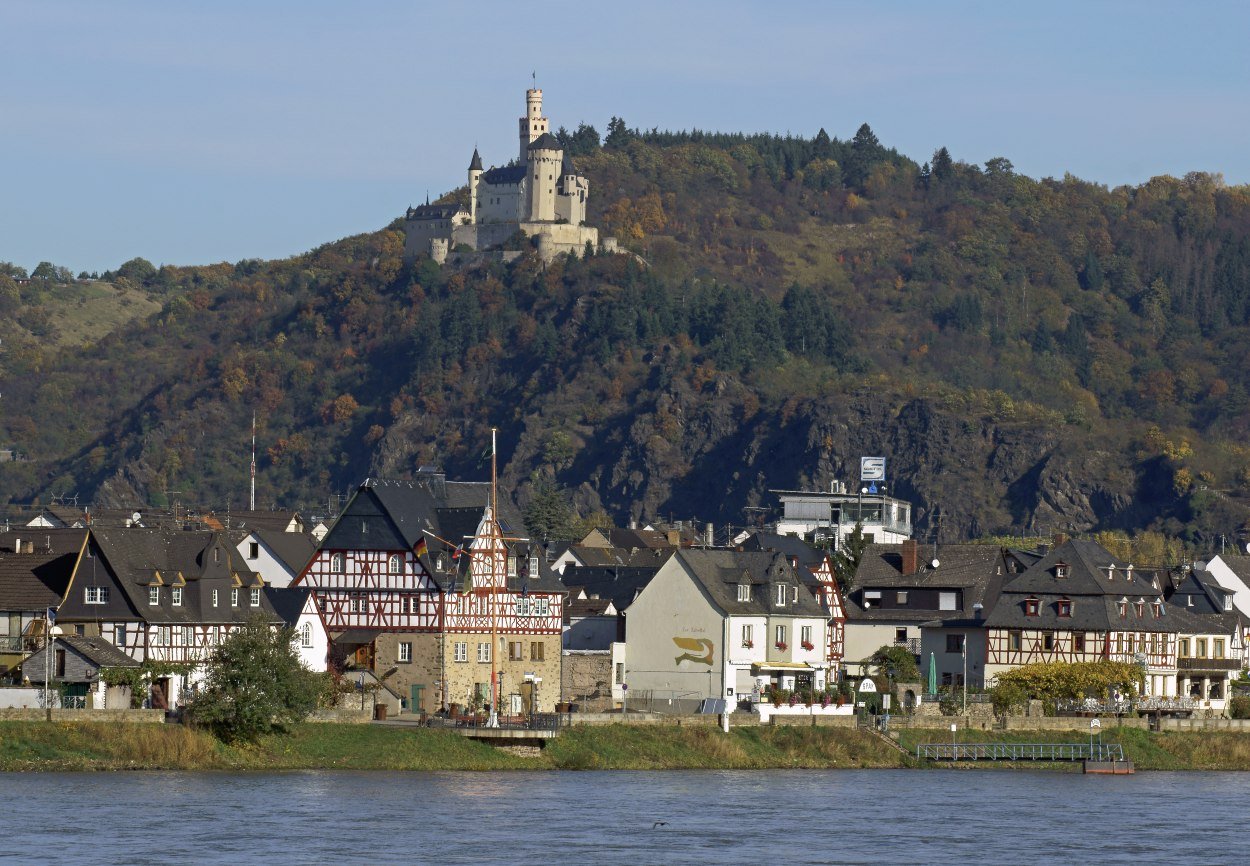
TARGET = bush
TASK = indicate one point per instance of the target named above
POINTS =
(1239, 707)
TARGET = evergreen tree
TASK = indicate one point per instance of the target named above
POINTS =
(943, 165)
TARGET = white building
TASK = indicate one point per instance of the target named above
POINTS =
(818, 515)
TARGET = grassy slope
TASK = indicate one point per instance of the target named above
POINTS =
(84, 313)
(116, 746)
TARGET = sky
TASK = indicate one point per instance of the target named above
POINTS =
(198, 133)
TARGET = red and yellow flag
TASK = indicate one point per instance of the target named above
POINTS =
(422, 548)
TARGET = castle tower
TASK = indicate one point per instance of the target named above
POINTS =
(533, 124)
(543, 159)
(475, 173)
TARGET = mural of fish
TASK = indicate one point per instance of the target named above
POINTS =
(697, 649)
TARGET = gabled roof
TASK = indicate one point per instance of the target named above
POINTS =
(288, 602)
(720, 572)
(975, 571)
(620, 585)
(98, 651)
(34, 581)
(435, 211)
(796, 547)
(294, 549)
(609, 557)
(60, 540)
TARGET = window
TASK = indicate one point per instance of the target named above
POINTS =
(900, 635)
(1061, 570)
(794, 593)
(1156, 608)
(96, 595)
(748, 635)
(461, 653)
(805, 637)
(395, 565)
(483, 652)
(357, 604)
(511, 565)
(1122, 607)
(1013, 639)
(175, 596)
(1031, 606)
(1141, 607)
(523, 606)
(1182, 648)
(253, 550)
(154, 595)
(1228, 602)
(305, 635)
(119, 634)
(164, 636)
(620, 672)
(900, 597)
(1217, 648)
(1064, 607)
(544, 606)
(744, 592)
(781, 594)
(337, 563)
(1078, 642)
(255, 596)
(216, 554)
(516, 651)
(214, 598)
(955, 643)
(1048, 640)
(537, 651)
(1200, 647)
(234, 597)
(405, 652)
(948, 601)
(781, 637)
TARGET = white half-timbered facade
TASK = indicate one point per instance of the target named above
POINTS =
(412, 575)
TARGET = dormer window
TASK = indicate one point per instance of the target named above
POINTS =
(900, 597)
(1061, 570)
(1122, 607)
(1064, 607)
(1141, 607)
(781, 595)
(1228, 602)
(1031, 606)
(1189, 601)
(1156, 607)
(216, 554)
(744, 592)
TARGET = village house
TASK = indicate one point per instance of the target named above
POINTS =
(74, 673)
(722, 624)
(930, 603)
(1232, 573)
(163, 596)
(278, 556)
(1078, 603)
(424, 584)
(1210, 644)
(35, 569)
(830, 517)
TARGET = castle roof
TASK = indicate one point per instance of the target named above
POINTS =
(434, 211)
(566, 166)
(504, 175)
(546, 141)
(476, 164)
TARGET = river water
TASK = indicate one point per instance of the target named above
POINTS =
(763, 817)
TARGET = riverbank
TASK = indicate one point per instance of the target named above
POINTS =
(40, 746)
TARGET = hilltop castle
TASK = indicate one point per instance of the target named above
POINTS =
(540, 194)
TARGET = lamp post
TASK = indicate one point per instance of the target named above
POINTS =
(964, 646)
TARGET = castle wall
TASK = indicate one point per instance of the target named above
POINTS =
(419, 233)
(544, 168)
(557, 238)
(500, 202)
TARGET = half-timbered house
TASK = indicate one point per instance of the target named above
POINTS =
(1079, 603)
(421, 583)
(163, 596)
(1211, 648)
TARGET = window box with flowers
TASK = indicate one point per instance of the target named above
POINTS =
(782, 645)
(808, 645)
(748, 644)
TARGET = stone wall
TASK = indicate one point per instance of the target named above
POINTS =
(37, 715)
(1204, 724)
(423, 670)
(586, 679)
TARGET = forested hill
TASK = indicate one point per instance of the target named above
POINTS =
(1029, 354)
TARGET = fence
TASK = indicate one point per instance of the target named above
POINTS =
(1020, 751)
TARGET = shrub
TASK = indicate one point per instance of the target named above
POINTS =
(1239, 707)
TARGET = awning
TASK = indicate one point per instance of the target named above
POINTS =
(355, 637)
(782, 666)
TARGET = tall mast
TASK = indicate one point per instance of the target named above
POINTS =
(252, 501)
(496, 693)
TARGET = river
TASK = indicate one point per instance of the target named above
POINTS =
(782, 817)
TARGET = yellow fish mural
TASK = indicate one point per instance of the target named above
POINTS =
(697, 649)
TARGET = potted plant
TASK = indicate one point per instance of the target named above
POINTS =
(748, 644)
(807, 645)
(781, 645)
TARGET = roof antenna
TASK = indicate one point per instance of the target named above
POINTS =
(252, 501)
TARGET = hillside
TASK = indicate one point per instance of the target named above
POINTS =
(1029, 354)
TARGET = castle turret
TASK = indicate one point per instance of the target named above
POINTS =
(543, 160)
(475, 174)
(533, 124)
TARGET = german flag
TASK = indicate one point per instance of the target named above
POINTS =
(422, 548)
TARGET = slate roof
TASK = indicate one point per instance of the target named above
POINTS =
(566, 165)
(620, 585)
(475, 164)
(132, 558)
(975, 570)
(634, 539)
(98, 651)
(293, 548)
(44, 540)
(1094, 594)
(546, 141)
(720, 572)
(578, 608)
(508, 174)
(609, 557)
(434, 211)
(34, 581)
(288, 602)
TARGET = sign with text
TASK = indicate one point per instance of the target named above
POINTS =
(872, 469)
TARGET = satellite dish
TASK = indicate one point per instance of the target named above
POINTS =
(1248, 547)
(935, 563)
(136, 517)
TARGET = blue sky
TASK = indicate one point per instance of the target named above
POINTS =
(195, 133)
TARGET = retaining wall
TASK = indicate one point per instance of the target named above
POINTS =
(1204, 724)
(38, 715)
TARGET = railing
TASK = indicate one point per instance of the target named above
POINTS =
(1020, 751)
(912, 644)
(11, 643)
(529, 722)
(1208, 664)
(1096, 707)
(958, 697)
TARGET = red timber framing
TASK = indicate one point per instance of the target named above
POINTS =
(183, 642)
(1029, 646)
(831, 598)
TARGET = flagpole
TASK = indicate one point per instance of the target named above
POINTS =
(253, 499)
(495, 543)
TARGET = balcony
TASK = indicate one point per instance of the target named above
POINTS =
(1208, 664)
(912, 644)
(11, 643)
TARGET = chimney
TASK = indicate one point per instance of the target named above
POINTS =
(710, 535)
(978, 611)
(1060, 539)
(674, 538)
(1128, 571)
(28, 546)
(911, 556)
